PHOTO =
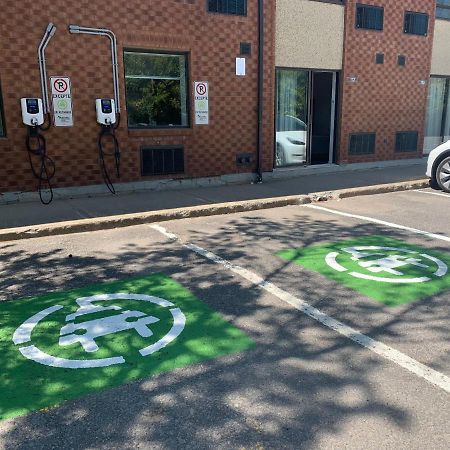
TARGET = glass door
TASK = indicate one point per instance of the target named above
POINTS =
(305, 117)
(322, 113)
(436, 125)
(292, 106)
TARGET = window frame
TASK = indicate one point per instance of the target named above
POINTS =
(2, 115)
(366, 5)
(186, 54)
(419, 14)
(442, 6)
(227, 13)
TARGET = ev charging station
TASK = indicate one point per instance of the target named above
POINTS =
(35, 112)
(108, 110)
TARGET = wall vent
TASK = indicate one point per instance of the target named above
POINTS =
(162, 160)
(406, 141)
(379, 58)
(362, 144)
(245, 48)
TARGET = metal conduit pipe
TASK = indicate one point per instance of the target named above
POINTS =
(260, 134)
(49, 32)
(75, 29)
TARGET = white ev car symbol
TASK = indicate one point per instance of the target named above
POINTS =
(86, 332)
(376, 259)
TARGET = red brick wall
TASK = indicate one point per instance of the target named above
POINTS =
(385, 98)
(212, 41)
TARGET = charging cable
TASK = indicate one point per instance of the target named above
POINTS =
(108, 132)
(45, 169)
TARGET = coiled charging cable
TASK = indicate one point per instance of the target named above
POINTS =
(108, 131)
(45, 170)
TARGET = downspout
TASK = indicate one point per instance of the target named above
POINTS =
(74, 29)
(49, 32)
(260, 89)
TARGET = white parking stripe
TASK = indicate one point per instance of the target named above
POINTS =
(440, 194)
(427, 373)
(440, 237)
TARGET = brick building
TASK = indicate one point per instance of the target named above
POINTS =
(343, 82)
(164, 46)
(365, 80)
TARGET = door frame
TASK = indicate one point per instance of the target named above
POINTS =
(334, 100)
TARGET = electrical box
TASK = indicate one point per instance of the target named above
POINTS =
(32, 111)
(106, 111)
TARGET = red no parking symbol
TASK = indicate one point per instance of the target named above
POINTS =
(60, 85)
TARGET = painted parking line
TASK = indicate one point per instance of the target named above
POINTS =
(439, 194)
(440, 237)
(64, 345)
(421, 370)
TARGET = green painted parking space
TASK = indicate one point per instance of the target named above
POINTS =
(387, 270)
(67, 344)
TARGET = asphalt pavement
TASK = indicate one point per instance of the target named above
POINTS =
(346, 304)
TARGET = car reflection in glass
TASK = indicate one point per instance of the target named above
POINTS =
(291, 136)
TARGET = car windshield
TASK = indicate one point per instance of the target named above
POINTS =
(290, 123)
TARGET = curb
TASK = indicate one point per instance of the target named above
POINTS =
(126, 220)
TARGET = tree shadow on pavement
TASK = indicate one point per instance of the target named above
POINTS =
(301, 383)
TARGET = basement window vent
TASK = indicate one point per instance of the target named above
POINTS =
(369, 17)
(416, 23)
(406, 141)
(162, 160)
(362, 144)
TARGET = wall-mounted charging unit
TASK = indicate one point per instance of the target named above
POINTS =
(32, 111)
(106, 117)
(106, 113)
(42, 166)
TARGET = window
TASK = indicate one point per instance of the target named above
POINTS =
(369, 17)
(406, 141)
(2, 123)
(437, 125)
(443, 9)
(235, 7)
(362, 144)
(156, 90)
(416, 23)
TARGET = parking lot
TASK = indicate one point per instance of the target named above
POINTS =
(316, 326)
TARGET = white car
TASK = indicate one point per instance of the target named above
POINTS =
(291, 141)
(438, 166)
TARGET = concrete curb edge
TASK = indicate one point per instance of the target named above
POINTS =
(125, 220)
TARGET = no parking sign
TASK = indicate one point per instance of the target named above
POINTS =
(201, 97)
(62, 101)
